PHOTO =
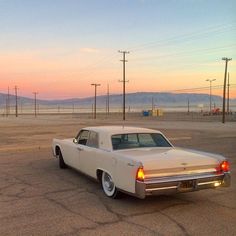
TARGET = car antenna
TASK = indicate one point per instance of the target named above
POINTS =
(123, 125)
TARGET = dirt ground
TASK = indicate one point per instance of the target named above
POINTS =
(38, 198)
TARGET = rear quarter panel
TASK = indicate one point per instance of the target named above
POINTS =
(125, 173)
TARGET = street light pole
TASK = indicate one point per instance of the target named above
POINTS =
(210, 80)
(95, 98)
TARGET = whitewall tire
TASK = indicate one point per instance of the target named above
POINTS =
(108, 185)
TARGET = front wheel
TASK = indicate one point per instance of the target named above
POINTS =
(108, 186)
(62, 164)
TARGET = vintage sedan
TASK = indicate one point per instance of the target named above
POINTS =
(140, 162)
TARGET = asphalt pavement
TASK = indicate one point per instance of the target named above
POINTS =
(38, 198)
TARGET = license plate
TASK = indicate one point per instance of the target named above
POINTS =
(186, 185)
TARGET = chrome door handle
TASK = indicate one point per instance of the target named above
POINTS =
(130, 164)
(80, 149)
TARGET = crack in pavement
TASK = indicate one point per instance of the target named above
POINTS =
(125, 218)
(67, 209)
(154, 232)
(91, 189)
(183, 229)
(160, 211)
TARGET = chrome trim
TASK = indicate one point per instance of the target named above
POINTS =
(161, 188)
(180, 173)
(209, 182)
(168, 185)
(181, 178)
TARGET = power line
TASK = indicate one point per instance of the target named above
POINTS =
(207, 30)
(184, 37)
(103, 60)
(184, 52)
(196, 88)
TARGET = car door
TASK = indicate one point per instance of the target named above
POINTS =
(81, 141)
(70, 153)
(87, 154)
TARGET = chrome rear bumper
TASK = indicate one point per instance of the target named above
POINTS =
(180, 184)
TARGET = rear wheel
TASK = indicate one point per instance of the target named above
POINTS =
(108, 186)
(62, 164)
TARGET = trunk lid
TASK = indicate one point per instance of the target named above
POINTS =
(172, 161)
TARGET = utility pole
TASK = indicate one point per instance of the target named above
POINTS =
(8, 101)
(210, 80)
(124, 81)
(188, 106)
(95, 99)
(21, 106)
(108, 100)
(6, 107)
(35, 103)
(152, 104)
(228, 96)
(16, 88)
(226, 66)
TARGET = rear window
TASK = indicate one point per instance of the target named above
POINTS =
(139, 140)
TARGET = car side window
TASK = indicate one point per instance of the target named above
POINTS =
(146, 140)
(160, 140)
(124, 141)
(93, 139)
(83, 137)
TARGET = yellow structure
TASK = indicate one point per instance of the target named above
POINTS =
(156, 112)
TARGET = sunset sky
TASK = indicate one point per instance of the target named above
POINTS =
(58, 48)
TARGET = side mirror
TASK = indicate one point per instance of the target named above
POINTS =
(75, 141)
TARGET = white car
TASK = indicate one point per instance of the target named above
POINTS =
(140, 162)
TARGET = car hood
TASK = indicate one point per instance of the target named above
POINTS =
(172, 158)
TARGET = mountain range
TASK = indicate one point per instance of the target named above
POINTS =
(132, 99)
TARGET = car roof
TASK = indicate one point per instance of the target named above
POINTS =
(112, 130)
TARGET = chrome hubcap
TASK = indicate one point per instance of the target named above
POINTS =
(108, 183)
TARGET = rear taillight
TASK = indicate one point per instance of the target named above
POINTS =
(223, 167)
(140, 174)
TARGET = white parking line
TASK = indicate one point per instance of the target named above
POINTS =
(226, 136)
(180, 138)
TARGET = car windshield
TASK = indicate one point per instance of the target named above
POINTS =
(138, 140)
